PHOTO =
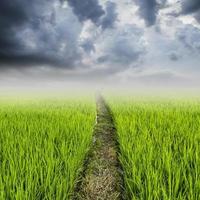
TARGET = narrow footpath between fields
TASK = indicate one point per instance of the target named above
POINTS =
(102, 177)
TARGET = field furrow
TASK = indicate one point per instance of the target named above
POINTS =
(102, 178)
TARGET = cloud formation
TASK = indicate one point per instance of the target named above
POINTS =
(47, 33)
(12, 16)
(190, 37)
(98, 38)
(111, 15)
(122, 48)
(148, 10)
(87, 10)
(190, 6)
(38, 33)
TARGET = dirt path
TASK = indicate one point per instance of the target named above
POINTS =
(102, 179)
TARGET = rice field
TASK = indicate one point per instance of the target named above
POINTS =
(43, 143)
(160, 147)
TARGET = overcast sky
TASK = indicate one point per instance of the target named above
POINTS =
(133, 41)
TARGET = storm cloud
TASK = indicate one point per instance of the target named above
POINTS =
(12, 16)
(122, 48)
(197, 16)
(148, 10)
(87, 10)
(36, 33)
(47, 32)
(110, 17)
(92, 10)
(97, 38)
(190, 6)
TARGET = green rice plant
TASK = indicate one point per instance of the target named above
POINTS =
(42, 146)
(160, 147)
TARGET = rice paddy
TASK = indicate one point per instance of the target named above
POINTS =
(160, 147)
(42, 147)
(44, 143)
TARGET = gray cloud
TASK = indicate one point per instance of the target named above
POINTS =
(88, 45)
(148, 10)
(122, 48)
(87, 10)
(197, 16)
(38, 33)
(110, 18)
(174, 56)
(92, 10)
(190, 6)
(91, 39)
(47, 33)
(189, 36)
(12, 16)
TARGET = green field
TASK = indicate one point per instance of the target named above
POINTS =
(160, 147)
(43, 143)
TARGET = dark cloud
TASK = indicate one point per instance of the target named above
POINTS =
(12, 12)
(190, 6)
(110, 18)
(37, 33)
(12, 16)
(74, 34)
(92, 10)
(47, 32)
(197, 16)
(27, 60)
(149, 9)
(87, 10)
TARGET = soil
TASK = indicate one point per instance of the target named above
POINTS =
(102, 176)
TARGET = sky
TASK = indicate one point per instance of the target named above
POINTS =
(130, 42)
